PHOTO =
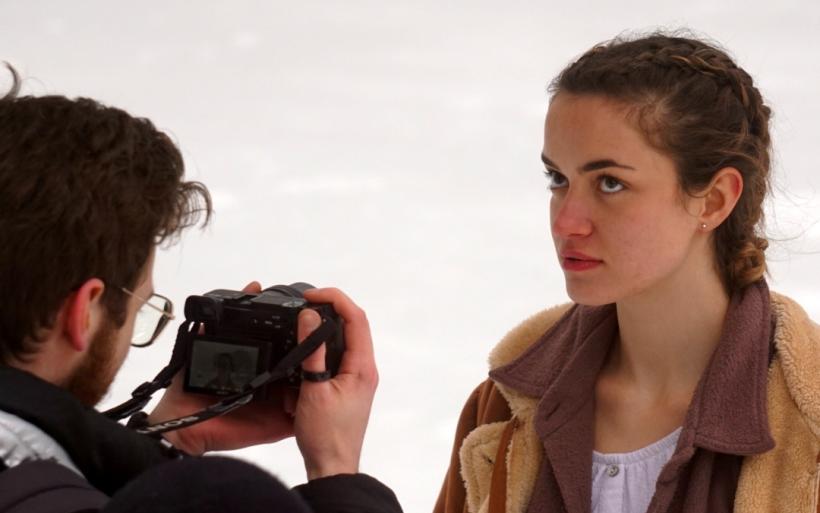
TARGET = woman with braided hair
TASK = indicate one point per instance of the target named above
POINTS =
(675, 381)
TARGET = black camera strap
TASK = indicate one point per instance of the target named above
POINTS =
(142, 394)
(285, 368)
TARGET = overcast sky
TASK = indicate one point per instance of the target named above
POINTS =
(391, 149)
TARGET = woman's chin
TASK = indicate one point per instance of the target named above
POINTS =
(589, 295)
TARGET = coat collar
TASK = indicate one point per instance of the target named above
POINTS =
(559, 368)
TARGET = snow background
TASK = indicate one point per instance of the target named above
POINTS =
(391, 149)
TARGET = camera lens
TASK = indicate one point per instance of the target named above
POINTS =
(293, 290)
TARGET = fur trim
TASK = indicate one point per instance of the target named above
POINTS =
(797, 339)
(480, 447)
(523, 463)
(525, 334)
(785, 478)
(516, 342)
(477, 455)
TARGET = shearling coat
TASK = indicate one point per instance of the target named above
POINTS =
(498, 453)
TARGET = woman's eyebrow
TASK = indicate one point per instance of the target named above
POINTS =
(602, 164)
(594, 165)
(547, 162)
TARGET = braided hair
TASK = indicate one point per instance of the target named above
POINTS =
(693, 103)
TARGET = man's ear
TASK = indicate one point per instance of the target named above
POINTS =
(721, 196)
(83, 314)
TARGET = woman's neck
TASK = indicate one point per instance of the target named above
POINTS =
(667, 335)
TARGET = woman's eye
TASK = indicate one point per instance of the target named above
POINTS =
(609, 184)
(556, 179)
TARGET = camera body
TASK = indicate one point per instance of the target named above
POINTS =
(244, 335)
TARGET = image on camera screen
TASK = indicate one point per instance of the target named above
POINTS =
(222, 368)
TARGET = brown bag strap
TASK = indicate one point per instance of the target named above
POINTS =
(498, 484)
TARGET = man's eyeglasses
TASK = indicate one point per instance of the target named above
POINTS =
(152, 317)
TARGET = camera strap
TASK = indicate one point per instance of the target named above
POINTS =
(285, 368)
(142, 394)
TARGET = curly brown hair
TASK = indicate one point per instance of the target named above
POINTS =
(86, 191)
(693, 103)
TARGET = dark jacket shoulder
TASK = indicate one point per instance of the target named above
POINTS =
(46, 487)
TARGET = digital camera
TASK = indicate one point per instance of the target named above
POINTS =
(244, 335)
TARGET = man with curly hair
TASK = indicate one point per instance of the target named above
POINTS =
(87, 192)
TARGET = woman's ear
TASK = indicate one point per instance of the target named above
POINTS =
(83, 313)
(721, 196)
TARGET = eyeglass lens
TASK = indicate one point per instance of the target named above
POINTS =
(150, 322)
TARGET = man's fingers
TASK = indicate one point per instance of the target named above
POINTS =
(358, 356)
(253, 287)
(343, 305)
(308, 321)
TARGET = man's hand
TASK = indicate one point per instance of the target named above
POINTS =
(252, 424)
(331, 416)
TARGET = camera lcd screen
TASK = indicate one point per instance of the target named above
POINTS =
(221, 368)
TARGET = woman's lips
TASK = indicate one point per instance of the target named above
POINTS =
(576, 261)
(574, 264)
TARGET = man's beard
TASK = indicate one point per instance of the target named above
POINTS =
(91, 380)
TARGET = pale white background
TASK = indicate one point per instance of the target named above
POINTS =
(391, 149)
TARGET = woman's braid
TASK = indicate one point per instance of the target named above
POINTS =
(699, 107)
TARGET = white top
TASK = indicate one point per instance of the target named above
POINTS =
(625, 482)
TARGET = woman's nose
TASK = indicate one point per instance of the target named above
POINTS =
(570, 216)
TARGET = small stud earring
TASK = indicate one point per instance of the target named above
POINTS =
(703, 226)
